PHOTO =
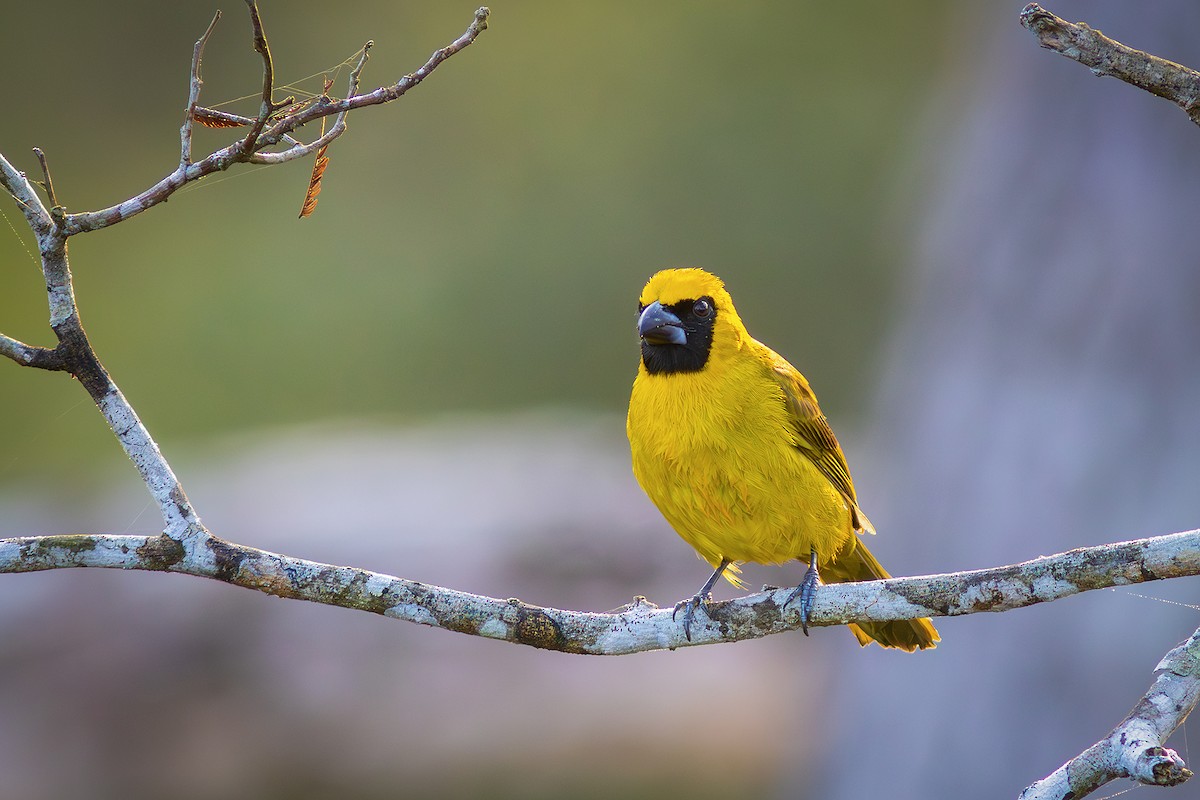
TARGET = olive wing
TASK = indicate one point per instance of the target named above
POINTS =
(814, 437)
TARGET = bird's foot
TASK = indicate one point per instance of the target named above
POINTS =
(700, 599)
(806, 591)
(689, 607)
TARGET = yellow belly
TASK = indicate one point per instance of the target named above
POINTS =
(723, 468)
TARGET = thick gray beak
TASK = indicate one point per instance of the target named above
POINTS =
(657, 325)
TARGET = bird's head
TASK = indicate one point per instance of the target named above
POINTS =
(681, 314)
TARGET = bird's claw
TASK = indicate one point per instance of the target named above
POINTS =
(806, 591)
(689, 607)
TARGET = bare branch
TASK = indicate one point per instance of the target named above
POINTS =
(30, 355)
(267, 107)
(477, 27)
(41, 157)
(17, 185)
(356, 73)
(1135, 749)
(638, 627)
(384, 94)
(267, 137)
(185, 131)
(339, 125)
(1108, 57)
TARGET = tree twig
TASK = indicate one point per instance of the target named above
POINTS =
(339, 124)
(267, 107)
(277, 132)
(1135, 748)
(19, 186)
(74, 353)
(41, 157)
(194, 84)
(30, 355)
(1108, 57)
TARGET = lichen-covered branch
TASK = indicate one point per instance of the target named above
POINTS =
(1108, 57)
(638, 627)
(1135, 748)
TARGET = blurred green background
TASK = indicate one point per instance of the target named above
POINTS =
(480, 243)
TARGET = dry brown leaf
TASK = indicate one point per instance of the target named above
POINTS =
(314, 183)
(215, 119)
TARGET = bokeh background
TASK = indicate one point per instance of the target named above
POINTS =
(980, 255)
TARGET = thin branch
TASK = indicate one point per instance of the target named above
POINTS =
(299, 150)
(339, 125)
(236, 153)
(267, 106)
(1108, 57)
(194, 84)
(478, 26)
(28, 355)
(41, 157)
(17, 185)
(386, 94)
(1135, 748)
(356, 73)
(638, 627)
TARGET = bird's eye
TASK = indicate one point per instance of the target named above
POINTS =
(702, 308)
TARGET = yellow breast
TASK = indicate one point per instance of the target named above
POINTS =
(717, 454)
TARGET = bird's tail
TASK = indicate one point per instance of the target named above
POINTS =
(907, 635)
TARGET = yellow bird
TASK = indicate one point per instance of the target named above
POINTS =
(729, 442)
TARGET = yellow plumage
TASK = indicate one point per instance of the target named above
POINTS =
(728, 441)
